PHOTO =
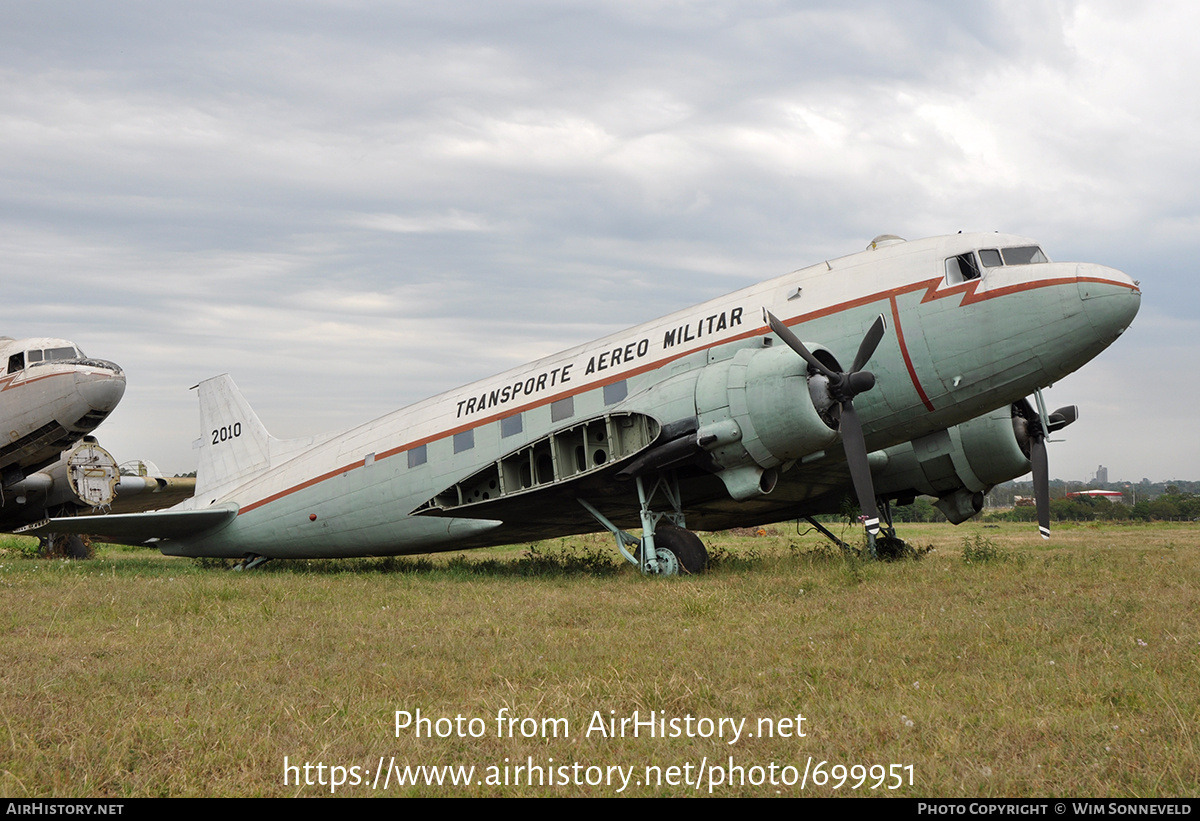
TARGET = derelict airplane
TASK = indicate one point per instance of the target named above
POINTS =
(712, 417)
(51, 397)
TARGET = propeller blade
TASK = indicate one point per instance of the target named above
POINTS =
(1041, 481)
(843, 387)
(870, 342)
(1063, 417)
(860, 469)
(792, 341)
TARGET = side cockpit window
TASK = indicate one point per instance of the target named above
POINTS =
(16, 362)
(961, 268)
(990, 258)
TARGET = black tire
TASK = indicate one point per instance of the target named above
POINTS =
(64, 546)
(686, 545)
(890, 549)
(76, 548)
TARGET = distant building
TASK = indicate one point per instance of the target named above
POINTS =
(1113, 495)
(1101, 477)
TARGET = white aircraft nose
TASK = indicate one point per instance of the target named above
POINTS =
(102, 390)
(1110, 298)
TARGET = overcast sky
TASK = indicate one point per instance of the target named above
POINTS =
(350, 206)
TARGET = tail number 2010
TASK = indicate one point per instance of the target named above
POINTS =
(226, 432)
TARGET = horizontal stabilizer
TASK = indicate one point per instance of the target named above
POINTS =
(138, 528)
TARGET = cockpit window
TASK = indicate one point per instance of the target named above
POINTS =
(961, 268)
(1024, 255)
(60, 353)
(35, 356)
(1021, 255)
(16, 362)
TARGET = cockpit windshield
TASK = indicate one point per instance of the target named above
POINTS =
(60, 353)
(36, 357)
(1024, 255)
(41, 356)
(1021, 255)
(964, 267)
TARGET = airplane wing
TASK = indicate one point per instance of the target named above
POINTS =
(138, 528)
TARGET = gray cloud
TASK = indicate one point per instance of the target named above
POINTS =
(350, 206)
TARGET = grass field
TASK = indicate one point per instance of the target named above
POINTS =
(997, 665)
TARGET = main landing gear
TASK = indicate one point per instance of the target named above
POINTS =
(882, 545)
(251, 561)
(666, 548)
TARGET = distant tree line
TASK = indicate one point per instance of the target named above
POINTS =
(1145, 502)
(1004, 495)
(1173, 505)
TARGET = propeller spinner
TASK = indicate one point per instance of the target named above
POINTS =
(843, 387)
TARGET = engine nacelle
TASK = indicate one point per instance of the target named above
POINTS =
(755, 413)
(86, 476)
(957, 465)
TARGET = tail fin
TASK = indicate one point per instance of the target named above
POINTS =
(234, 446)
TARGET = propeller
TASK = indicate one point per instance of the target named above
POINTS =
(843, 387)
(1036, 436)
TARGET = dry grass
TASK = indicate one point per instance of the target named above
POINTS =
(1033, 669)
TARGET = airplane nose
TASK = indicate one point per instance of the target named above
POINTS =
(102, 390)
(1110, 298)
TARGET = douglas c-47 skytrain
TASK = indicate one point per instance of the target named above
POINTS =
(52, 397)
(897, 371)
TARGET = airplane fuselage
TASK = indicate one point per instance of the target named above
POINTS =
(969, 331)
(51, 397)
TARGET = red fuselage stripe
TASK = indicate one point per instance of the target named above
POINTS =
(912, 372)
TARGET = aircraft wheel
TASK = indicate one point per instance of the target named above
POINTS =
(890, 548)
(65, 546)
(76, 548)
(668, 562)
(684, 545)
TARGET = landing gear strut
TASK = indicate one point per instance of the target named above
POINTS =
(666, 548)
(887, 545)
(882, 545)
(250, 562)
(64, 545)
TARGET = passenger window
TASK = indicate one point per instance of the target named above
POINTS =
(615, 392)
(562, 409)
(510, 426)
(417, 456)
(464, 440)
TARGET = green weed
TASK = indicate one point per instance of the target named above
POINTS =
(979, 549)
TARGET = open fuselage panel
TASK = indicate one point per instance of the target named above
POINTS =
(566, 454)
